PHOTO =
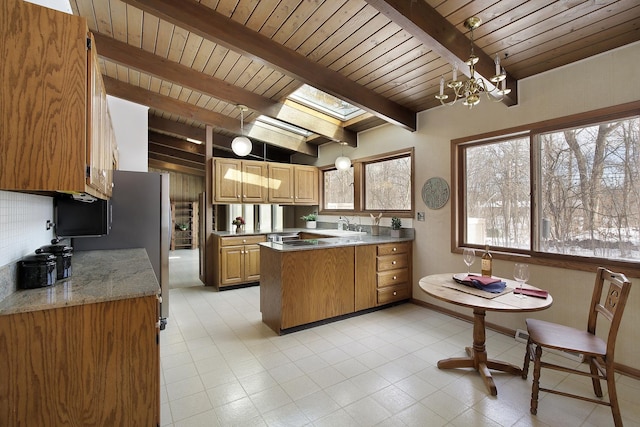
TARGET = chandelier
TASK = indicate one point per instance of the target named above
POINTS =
(472, 89)
(241, 145)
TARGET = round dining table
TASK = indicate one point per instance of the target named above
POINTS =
(445, 288)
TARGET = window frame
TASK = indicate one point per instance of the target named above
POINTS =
(359, 184)
(531, 255)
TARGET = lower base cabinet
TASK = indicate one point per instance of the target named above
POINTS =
(238, 260)
(93, 364)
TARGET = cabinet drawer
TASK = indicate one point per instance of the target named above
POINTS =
(393, 293)
(393, 277)
(393, 248)
(242, 240)
(392, 262)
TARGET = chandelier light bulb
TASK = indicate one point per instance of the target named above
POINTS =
(471, 89)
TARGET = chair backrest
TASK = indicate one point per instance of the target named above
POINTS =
(610, 305)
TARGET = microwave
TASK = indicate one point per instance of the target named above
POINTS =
(79, 218)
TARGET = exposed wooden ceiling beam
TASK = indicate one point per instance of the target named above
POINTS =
(434, 31)
(216, 27)
(182, 129)
(162, 68)
(180, 145)
(170, 166)
(184, 109)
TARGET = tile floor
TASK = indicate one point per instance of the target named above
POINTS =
(222, 367)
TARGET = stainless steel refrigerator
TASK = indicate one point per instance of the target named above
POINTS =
(140, 218)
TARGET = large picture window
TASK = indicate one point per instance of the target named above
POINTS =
(383, 183)
(566, 191)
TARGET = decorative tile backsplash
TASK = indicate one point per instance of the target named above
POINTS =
(23, 219)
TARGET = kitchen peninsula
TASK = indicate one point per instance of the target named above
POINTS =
(312, 280)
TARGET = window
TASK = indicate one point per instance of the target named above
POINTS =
(568, 191)
(381, 183)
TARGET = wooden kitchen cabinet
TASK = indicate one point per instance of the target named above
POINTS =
(239, 181)
(306, 185)
(92, 364)
(55, 132)
(239, 260)
(281, 183)
(383, 274)
(300, 287)
(393, 272)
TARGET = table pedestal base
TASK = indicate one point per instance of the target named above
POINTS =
(478, 356)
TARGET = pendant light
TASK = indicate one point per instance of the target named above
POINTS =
(343, 163)
(241, 145)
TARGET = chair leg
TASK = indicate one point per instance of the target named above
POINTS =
(597, 388)
(613, 397)
(536, 380)
(527, 357)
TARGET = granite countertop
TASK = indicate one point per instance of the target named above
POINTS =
(329, 232)
(97, 276)
(334, 242)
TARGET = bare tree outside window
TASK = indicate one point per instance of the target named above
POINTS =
(388, 184)
(338, 189)
(587, 191)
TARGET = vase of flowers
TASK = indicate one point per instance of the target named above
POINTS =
(396, 224)
(311, 220)
(239, 223)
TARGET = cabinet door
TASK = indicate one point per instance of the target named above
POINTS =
(43, 99)
(281, 183)
(232, 265)
(255, 181)
(227, 180)
(97, 128)
(365, 277)
(306, 185)
(252, 263)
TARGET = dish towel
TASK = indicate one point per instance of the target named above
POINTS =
(489, 284)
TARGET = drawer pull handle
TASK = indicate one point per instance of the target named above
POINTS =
(244, 240)
(395, 249)
(395, 277)
(394, 262)
(395, 293)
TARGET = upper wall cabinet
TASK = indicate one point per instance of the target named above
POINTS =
(246, 181)
(55, 130)
(239, 181)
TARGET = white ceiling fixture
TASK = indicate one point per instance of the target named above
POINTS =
(471, 89)
(343, 162)
(241, 145)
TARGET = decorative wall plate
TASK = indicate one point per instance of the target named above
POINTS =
(435, 192)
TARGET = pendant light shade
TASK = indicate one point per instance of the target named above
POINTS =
(343, 162)
(241, 145)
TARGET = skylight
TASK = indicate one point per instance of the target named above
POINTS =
(328, 104)
(282, 125)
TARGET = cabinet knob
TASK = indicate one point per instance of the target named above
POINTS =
(238, 196)
(395, 249)
(395, 293)
(395, 277)
(244, 240)
(393, 262)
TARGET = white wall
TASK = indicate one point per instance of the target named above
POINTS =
(580, 87)
(130, 124)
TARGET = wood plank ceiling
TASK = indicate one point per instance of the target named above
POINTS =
(193, 62)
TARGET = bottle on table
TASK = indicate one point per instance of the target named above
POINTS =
(487, 260)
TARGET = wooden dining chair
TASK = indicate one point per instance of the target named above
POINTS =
(597, 352)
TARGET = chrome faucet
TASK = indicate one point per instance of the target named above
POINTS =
(343, 222)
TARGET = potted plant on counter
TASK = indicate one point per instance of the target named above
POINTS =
(311, 219)
(396, 224)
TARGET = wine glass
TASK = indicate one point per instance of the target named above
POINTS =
(469, 256)
(521, 274)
